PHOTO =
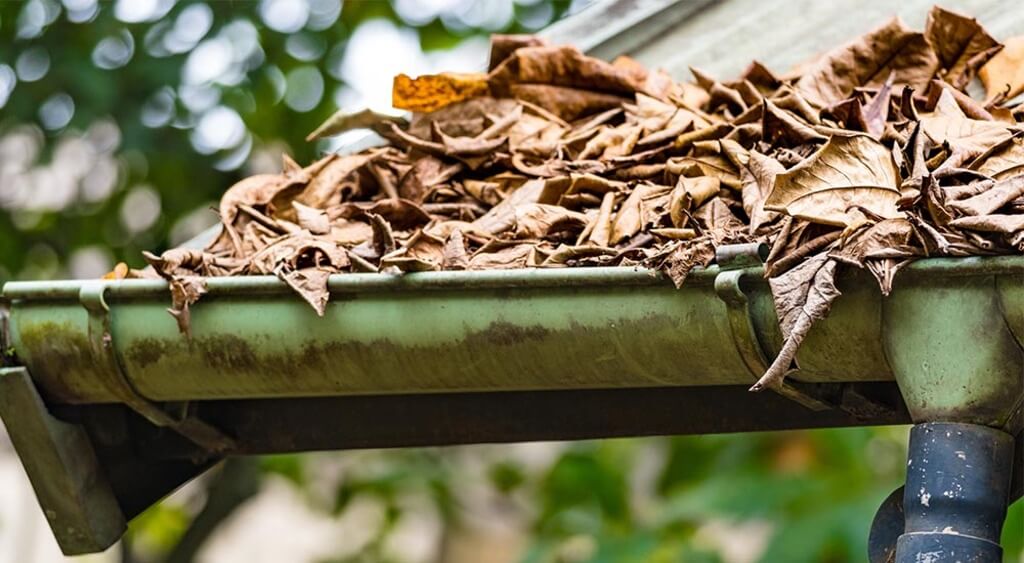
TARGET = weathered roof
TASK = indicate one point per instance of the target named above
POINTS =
(721, 37)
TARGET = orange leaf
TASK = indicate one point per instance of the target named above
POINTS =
(119, 272)
(1004, 73)
(435, 91)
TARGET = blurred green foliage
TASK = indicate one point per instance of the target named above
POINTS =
(172, 78)
(141, 112)
(794, 497)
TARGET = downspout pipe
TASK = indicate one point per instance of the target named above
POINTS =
(956, 350)
(955, 499)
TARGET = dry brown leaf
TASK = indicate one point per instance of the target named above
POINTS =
(424, 174)
(876, 114)
(688, 195)
(968, 106)
(326, 185)
(179, 267)
(803, 296)
(611, 142)
(504, 257)
(758, 178)
(1000, 194)
(383, 238)
(178, 262)
(1003, 160)
(401, 214)
(685, 257)
(678, 124)
(675, 234)
(504, 45)
(1003, 75)
(650, 113)
(565, 102)
(971, 136)
(343, 121)
(848, 173)
(717, 219)
(311, 285)
(601, 232)
(868, 61)
(486, 192)
(312, 219)
(538, 220)
(349, 233)
(296, 252)
(566, 255)
(562, 66)
(469, 146)
(994, 223)
(254, 190)
(466, 118)
(454, 255)
(636, 211)
(535, 136)
(185, 291)
(780, 125)
(716, 166)
(961, 44)
(422, 253)
(502, 217)
(884, 235)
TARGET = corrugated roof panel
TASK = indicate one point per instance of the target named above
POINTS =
(723, 37)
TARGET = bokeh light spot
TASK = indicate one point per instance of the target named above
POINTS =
(57, 111)
(8, 80)
(32, 64)
(158, 109)
(140, 209)
(136, 11)
(305, 88)
(114, 51)
(285, 16)
(218, 129)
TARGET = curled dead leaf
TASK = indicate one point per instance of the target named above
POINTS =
(803, 296)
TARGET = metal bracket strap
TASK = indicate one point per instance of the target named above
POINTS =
(734, 263)
(91, 296)
(6, 351)
(60, 461)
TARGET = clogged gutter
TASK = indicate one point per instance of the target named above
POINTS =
(869, 157)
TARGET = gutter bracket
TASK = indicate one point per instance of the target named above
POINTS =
(92, 298)
(7, 356)
(61, 463)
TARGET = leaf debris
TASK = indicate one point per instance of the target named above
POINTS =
(869, 157)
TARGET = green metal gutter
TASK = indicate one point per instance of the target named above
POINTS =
(519, 330)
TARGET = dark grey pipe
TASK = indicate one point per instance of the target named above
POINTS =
(958, 483)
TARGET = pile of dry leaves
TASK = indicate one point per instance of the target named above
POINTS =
(871, 156)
